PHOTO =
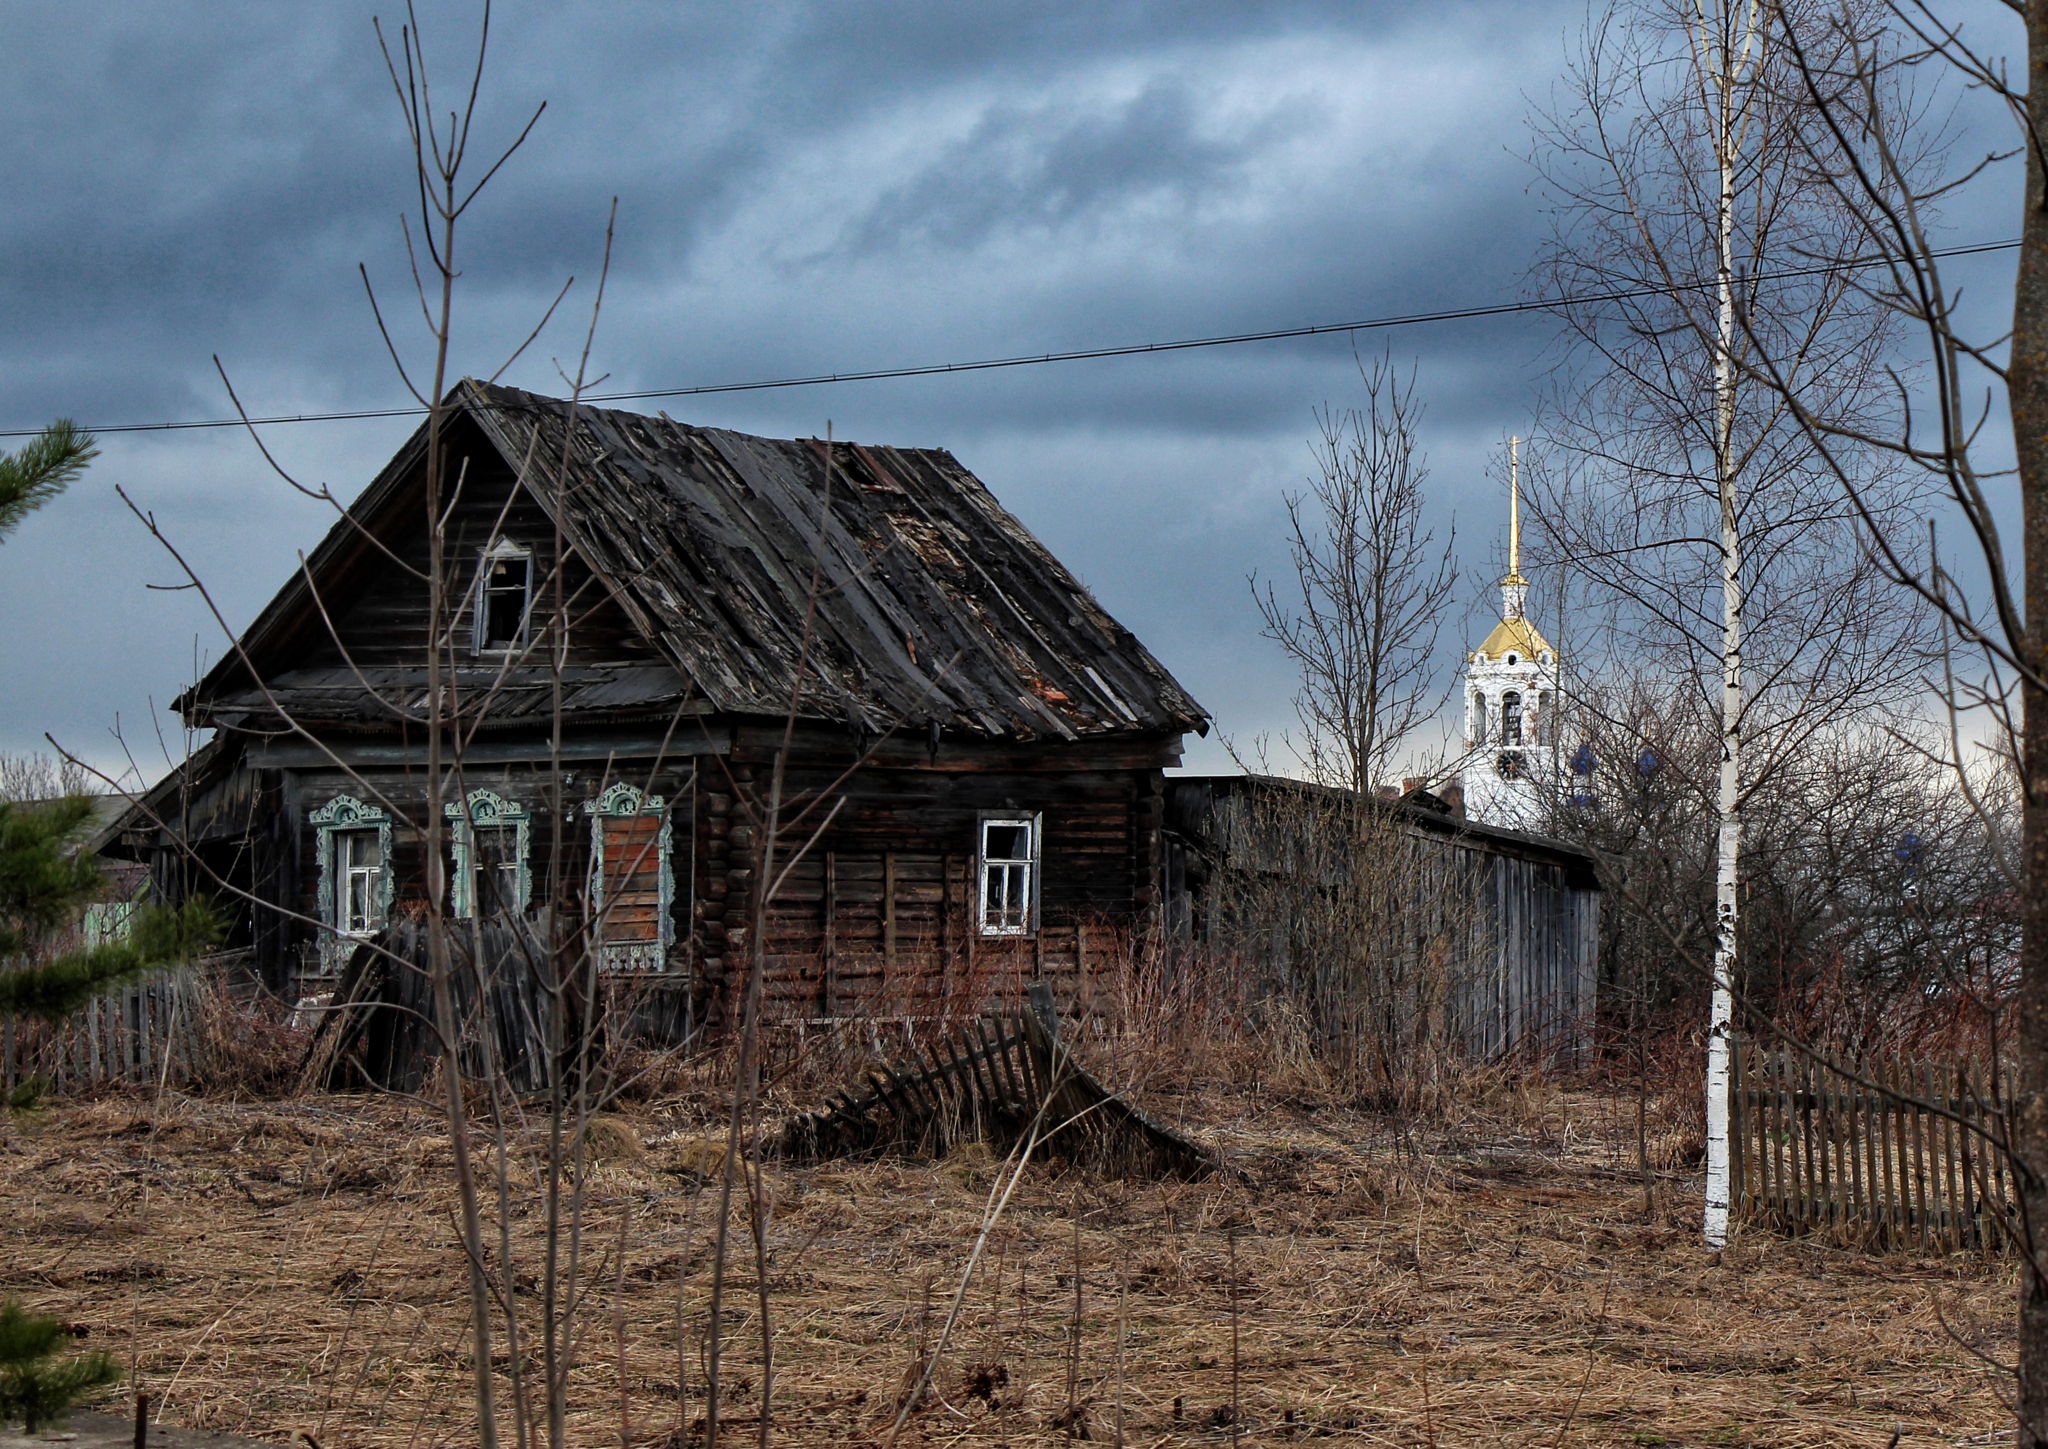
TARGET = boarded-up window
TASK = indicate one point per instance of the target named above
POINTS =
(632, 882)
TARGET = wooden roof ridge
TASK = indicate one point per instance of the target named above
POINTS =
(935, 605)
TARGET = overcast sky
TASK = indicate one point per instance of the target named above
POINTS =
(802, 188)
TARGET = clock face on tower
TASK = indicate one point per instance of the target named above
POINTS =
(1508, 767)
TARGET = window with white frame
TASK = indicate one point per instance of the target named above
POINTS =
(489, 839)
(504, 598)
(355, 867)
(1007, 864)
(632, 881)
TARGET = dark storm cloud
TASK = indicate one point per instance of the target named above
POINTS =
(1043, 168)
(803, 187)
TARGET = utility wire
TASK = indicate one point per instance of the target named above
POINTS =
(879, 374)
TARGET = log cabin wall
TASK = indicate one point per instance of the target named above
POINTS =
(880, 915)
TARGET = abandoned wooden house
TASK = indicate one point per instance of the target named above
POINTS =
(635, 615)
(1414, 908)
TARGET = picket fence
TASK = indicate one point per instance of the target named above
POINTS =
(145, 1033)
(1897, 1155)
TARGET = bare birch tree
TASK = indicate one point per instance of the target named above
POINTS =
(1692, 500)
(1973, 423)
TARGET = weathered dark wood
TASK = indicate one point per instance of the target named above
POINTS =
(1015, 1080)
(1895, 1162)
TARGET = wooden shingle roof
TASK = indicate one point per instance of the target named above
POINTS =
(927, 602)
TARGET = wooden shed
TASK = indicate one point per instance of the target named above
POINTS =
(1389, 908)
(644, 626)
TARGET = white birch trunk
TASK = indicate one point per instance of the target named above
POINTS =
(1721, 64)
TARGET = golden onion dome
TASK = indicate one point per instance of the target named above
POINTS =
(1517, 637)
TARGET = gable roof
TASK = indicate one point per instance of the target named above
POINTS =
(932, 605)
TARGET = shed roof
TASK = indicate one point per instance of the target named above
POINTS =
(880, 587)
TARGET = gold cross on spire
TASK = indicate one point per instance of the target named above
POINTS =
(1514, 504)
(1514, 512)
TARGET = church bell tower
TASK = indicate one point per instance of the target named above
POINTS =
(1511, 744)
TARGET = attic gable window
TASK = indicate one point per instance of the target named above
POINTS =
(504, 598)
(1007, 864)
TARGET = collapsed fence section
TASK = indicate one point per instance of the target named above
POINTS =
(1898, 1155)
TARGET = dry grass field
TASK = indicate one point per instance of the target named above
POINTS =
(291, 1266)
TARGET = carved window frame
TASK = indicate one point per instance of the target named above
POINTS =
(339, 816)
(623, 801)
(490, 810)
(1030, 865)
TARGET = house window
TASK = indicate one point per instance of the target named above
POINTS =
(1511, 718)
(632, 882)
(355, 870)
(489, 840)
(504, 598)
(1008, 864)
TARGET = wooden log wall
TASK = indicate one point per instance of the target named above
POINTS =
(878, 917)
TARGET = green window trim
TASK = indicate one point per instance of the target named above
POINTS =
(341, 816)
(622, 801)
(488, 810)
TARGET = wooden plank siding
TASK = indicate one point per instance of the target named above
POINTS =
(1348, 901)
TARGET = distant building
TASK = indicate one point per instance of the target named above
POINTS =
(1511, 776)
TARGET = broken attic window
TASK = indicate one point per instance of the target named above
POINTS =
(504, 596)
(1009, 875)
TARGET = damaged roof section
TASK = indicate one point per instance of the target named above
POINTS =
(881, 588)
(932, 603)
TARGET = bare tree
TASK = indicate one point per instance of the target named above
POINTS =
(1691, 500)
(42, 777)
(1369, 591)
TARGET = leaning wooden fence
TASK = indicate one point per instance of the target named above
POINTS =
(1903, 1157)
(141, 1033)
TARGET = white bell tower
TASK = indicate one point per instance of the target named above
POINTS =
(1511, 717)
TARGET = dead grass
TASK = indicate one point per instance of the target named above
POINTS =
(272, 1267)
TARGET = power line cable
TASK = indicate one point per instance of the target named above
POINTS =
(881, 374)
